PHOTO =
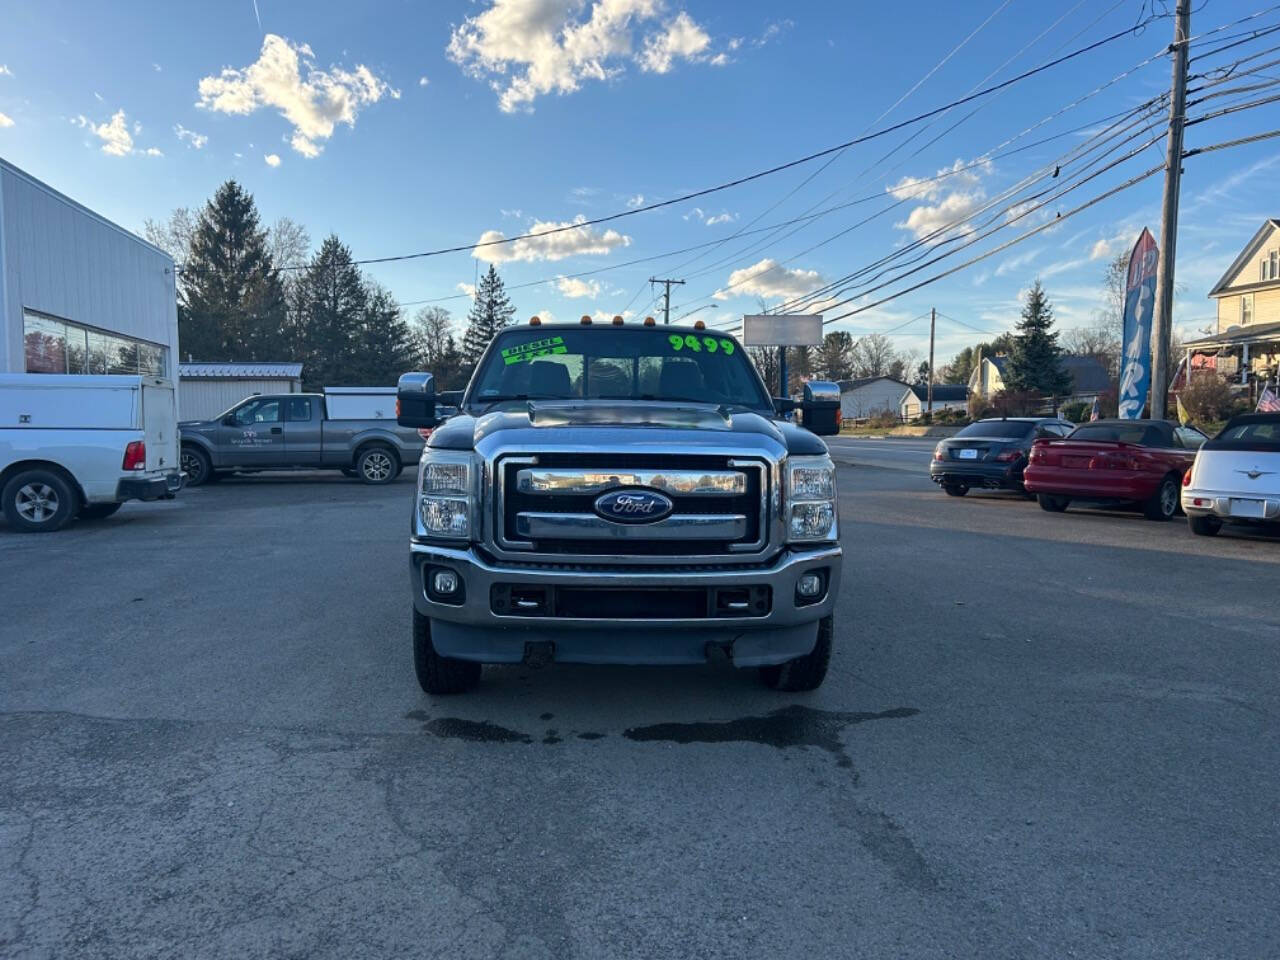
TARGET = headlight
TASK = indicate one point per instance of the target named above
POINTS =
(447, 494)
(811, 499)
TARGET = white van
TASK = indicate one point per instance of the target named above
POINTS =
(82, 445)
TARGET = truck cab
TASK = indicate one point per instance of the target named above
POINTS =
(624, 494)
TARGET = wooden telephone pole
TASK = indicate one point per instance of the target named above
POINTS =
(933, 323)
(666, 305)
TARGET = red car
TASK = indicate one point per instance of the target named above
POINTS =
(1139, 462)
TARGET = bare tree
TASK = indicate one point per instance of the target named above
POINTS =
(766, 361)
(289, 244)
(834, 360)
(172, 235)
(873, 355)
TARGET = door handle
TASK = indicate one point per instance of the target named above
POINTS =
(277, 429)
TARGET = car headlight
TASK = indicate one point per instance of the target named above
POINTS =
(447, 494)
(811, 499)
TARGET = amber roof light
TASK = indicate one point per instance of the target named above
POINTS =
(585, 321)
(699, 325)
(649, 321)
(535, 321)
(617, 321)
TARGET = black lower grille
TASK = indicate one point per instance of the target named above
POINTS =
(629, 603)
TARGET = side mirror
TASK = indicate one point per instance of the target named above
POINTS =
(821, 407)
(784, 404)
(229, 420)
(416, 401)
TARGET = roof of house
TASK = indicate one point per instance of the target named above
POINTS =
(1000, 362)
(942, 392)
(847, 385)
(1087, 373)
(241, 371)
(1245, 255)
(1237, 335)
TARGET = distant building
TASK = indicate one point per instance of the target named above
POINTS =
(870, 396)
(1088, 375)
(946, 396)
(207, 389)
(987, 378)
(78, 293)
(1247, 340)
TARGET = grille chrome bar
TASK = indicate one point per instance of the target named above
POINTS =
(587, 526)
(585, 481)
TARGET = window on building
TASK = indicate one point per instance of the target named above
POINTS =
(60, 346)
(1273, 261)
(1246, 309)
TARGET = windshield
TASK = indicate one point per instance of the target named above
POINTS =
(637, 364)
(1003, 429)
(1255, 435)
(1138, 433)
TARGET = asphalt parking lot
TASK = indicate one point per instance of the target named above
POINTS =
(1043, 736)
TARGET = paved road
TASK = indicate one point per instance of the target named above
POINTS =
(1043, 737)
(900, 453)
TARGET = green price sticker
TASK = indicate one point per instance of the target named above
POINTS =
(526, 352)
(695, 344)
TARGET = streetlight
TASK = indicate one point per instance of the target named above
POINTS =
(705, 306)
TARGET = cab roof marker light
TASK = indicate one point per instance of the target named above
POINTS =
(699, 325)
(535, 321)
(649, 321)
(617, 321)
(585, 321)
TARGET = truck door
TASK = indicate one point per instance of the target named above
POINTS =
(302, 431)
(252, 435)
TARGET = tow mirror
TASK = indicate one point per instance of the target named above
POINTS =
(784, 404)
(416, 401)
(821, 407)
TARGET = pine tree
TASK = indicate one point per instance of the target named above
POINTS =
(232, 303)
(1035, 362)
(331, 308)
(382, 348)
(835, 356)
(490, 312)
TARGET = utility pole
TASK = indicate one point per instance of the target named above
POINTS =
(666, 306)
(933, 323)
(782, 372)
(1169, 213)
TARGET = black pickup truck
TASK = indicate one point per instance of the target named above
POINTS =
(624, 494)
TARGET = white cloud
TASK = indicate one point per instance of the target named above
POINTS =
(573, 288)
(114, 134)
(605, 316)
(156, 67)
(635, 201)
(529, 48)
(97, 96)
(682, 38)
(313, 106)
(720, 60)
(721, 218)
(154, 152)
(552, 246)
(515, 214)
(195, 141)
(5, 71)
(1018, 262)
(1101, 249)
(5, 120)
(272, 159)
(423, 81)
(925, 221)
(546, 316)
(768, 279)
(930, 188)
(468, 288)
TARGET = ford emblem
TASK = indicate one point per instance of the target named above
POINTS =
(633, 506)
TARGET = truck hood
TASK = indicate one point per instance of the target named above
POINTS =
(684, 426)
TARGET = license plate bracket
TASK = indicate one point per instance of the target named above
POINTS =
(1248, 508)
(967, 453)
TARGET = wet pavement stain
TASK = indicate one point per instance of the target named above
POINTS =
(552, 736)
(793, 726)
(547, 716)
(591, 736)
(473, 731)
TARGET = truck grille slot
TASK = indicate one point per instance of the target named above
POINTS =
(547, 505)
(629, 603)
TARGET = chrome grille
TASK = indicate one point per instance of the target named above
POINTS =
(546, 505)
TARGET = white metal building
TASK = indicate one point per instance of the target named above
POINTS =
(870, 396)
(207, 389)
(79, 294)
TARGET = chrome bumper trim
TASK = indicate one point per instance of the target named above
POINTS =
(588, 480)
(587, 526)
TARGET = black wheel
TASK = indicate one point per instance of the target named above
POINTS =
(377, 464)
(1052, 504)
(955, 489)
(99, 511)
(1204, 526)
(439, 675)
(807, 672)
(39, 501)
(195, 464)
(1164, 504)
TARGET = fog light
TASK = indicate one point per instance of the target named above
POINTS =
(444, 582)
(809, 585)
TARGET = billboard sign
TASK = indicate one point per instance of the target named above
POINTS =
(1139, 307)
(782, 330)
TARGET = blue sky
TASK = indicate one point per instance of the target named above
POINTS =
(404, 127)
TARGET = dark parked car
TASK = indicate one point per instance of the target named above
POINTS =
(991, 453)
(1138, 462)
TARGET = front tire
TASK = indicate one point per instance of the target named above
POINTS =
(99, 511)
(437, 675)
(39, 501)
(377, 465)
(1051, 503)
(807, 672)
(196, 465)
(1204, 526)
(955, 489)
(1164, 504)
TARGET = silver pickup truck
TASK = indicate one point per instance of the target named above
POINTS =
(620, 494)
(294, 431)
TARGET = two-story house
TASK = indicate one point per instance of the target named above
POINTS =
(1247, 340)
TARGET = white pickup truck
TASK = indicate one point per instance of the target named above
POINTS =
(80, 446)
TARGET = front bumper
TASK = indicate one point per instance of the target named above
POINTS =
(1215, 503)
(155, 487)
(472, 630)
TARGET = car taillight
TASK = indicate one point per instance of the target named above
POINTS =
(135, 456)
(1186, 479)
(1008, 456)
(937, 452)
